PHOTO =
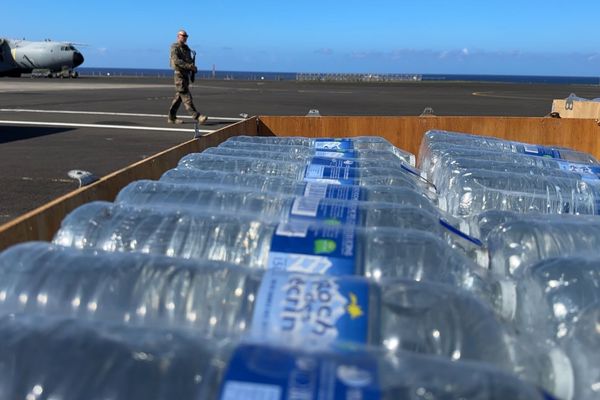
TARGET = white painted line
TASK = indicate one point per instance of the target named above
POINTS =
(106, 113)
(68, 124)
(505, 96)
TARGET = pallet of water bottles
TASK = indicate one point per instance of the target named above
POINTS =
(297, 268)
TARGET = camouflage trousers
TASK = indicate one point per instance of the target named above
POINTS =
(182, 95)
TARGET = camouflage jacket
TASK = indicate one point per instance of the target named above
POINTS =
(181, 57)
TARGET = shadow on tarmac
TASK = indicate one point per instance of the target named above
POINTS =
(11, 133)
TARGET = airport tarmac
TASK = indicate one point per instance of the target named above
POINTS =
(49, 127)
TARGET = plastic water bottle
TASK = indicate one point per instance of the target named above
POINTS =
(548, 297)
(327, 249)
(516, 245)
(286, 156)
(482, 224)
(458, 138)
(295, 151)
(331, 144)
(125, 363)
(378, 189)
(444, 178)
(129, 288)
(275, 208)
(480, 190)
(46, 358)
(324, 170)
(582, 346)
(442, 154)
(308, 310)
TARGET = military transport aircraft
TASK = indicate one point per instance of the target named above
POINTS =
(22, 56)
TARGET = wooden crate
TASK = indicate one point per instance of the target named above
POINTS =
(404, 132)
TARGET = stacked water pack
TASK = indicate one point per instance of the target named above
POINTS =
(214, 301)
(477, 173)
(535, 210)
(246, 278)
(399, 208)
(325, 146)
(123, 363)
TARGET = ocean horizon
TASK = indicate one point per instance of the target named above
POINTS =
(348, 77)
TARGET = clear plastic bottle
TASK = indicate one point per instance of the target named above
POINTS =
(129, 288)
(582, 346)
(379, 188)
(331, 144)
(482, 224)
(301, 171)
(518, 244)
(295, 151)
(442, 154)
(243, 240)
(384, 162)
(96, 363)
(480, 190)
(444, 178)
(277, 207)
(500, 145)
(309, 310)
(47, 358)
(547, 297)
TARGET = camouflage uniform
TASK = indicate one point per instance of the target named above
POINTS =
(182, 63)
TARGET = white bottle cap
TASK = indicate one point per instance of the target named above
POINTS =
(562, 370)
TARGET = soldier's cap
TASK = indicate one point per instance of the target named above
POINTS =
(182, 33)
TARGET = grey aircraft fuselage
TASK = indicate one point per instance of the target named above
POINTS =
(22, 56)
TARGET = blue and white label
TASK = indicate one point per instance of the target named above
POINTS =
(337, 192)
(323, 211)
(324, 249)
(587, 171)
(334, 144)
(336, 154)
(335, 162)
(342, 172)
(534, 150)
(270, 373)
(310, 309)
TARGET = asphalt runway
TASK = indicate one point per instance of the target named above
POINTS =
(49, 127)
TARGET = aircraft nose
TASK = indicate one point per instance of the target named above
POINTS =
(77, 59)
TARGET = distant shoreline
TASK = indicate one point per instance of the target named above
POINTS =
(341, 77)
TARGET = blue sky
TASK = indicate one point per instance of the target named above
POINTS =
(528, 37)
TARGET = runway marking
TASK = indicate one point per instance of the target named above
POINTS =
(501, 96)
(107, 113)
(59, 180)
(325, 91)
(74, 125)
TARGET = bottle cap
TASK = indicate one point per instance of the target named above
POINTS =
(563, 374)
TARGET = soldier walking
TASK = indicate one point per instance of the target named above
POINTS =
(183, 64)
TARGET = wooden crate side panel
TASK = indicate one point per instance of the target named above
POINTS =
(406, 132)
(43, 222)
